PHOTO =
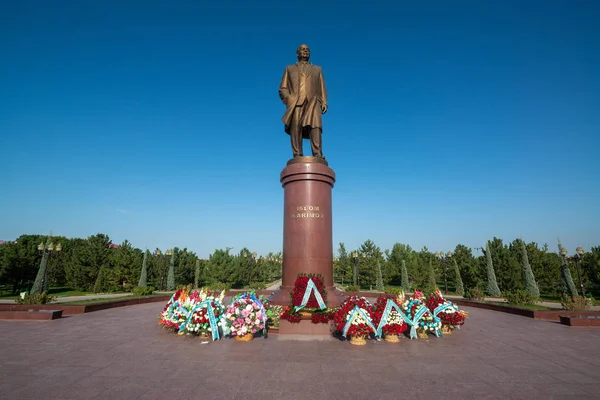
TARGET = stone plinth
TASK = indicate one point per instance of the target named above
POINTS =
(38, 315)
(307, 225)
(304, 327)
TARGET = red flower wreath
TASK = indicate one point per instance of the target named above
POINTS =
(300, 288)
(453, 319)
(339, 317)
(379, 308)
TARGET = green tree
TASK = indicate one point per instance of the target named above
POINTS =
(431, 282)
(469, 268)
(568, 284)
(343, 265)
(171, 274)
(530, 284)
(368, 263)
(458, 283)
(405, 282)
(197, 274)
(492, 285)
(143, 282)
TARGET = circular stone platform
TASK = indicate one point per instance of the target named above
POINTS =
(122, 353)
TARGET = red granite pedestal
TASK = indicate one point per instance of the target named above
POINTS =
(307, 226)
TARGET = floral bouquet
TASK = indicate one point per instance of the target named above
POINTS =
(245, 317)
(394, 325)
(288, 313)
(449, 314)
(194, 313)
(300, 288)
(422, 319)
(354, 318)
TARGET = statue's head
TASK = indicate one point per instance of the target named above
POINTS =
(303, 52)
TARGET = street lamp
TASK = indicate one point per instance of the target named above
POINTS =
(356, 255)
(443, 259)
(41, 280)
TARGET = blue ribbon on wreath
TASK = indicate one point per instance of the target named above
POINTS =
(257, 301)
(389, 306)
(212, 320)
(355, 313)
(311, 287)
(414, 323)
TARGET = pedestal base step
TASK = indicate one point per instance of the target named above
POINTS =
(304, 327)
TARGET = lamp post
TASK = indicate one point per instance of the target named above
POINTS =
(41, 280)
(578, 257)
(356, 256)
(444, 258)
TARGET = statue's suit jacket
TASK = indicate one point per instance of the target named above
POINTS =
(316, 94)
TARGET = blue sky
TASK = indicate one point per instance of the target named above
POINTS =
(159, 122)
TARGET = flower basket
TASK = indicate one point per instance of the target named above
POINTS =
(422, 334)
(447, 329)
(392, 338)
(305, 314)
(245, 315)
(358, 340)
(244, 338)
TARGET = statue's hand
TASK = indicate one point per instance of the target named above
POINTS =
(323, 108)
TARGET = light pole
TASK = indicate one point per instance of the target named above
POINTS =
(356, 255)
(41, 280)
(444, 258)
(578, 257)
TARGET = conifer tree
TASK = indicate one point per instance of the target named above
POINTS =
(492, 286)
(40, 279)
(460, 289)
(99, 281)
(565, 274)
(432, 281)
(171, 274)
(197, 274)
(379, 282)
(530, 284)
(143, 282)
(404, 278)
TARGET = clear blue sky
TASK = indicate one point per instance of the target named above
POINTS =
(159, 122)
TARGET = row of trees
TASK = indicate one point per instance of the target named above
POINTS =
(502, 267)
(95, 264)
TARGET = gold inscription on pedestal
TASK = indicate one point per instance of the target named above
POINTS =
(307, 212)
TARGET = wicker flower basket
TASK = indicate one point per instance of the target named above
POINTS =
(244, 338)
(305, 314)
(358, 340)
(421, 334)
(392, 338)
(447, 329)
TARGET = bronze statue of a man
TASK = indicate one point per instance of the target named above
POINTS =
(303, 92)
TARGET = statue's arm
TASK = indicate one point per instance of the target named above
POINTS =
(284, 88)
(323, 90)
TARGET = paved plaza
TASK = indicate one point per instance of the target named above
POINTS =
(122, 353)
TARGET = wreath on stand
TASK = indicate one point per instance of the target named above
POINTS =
(309, 299)
(354, 318)
(393, 324)
(450, 315)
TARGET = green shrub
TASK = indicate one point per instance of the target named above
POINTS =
(474, 294)
(218, 287)
(143, 291)
(520, 297)
(352, 288)
(273, 316)
(258, 286)
(38, 298)
(576, 303)
(393, 291)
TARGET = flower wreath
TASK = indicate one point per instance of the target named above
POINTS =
(395, 325)
(422, 318)
(300, 288)
(450, 314)
(362, 325)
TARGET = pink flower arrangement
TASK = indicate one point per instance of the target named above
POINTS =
(244, 316)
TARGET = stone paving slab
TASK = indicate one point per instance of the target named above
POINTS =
(122, 353)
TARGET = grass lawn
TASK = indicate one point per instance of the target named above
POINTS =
(533, 307)
(102, 301)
